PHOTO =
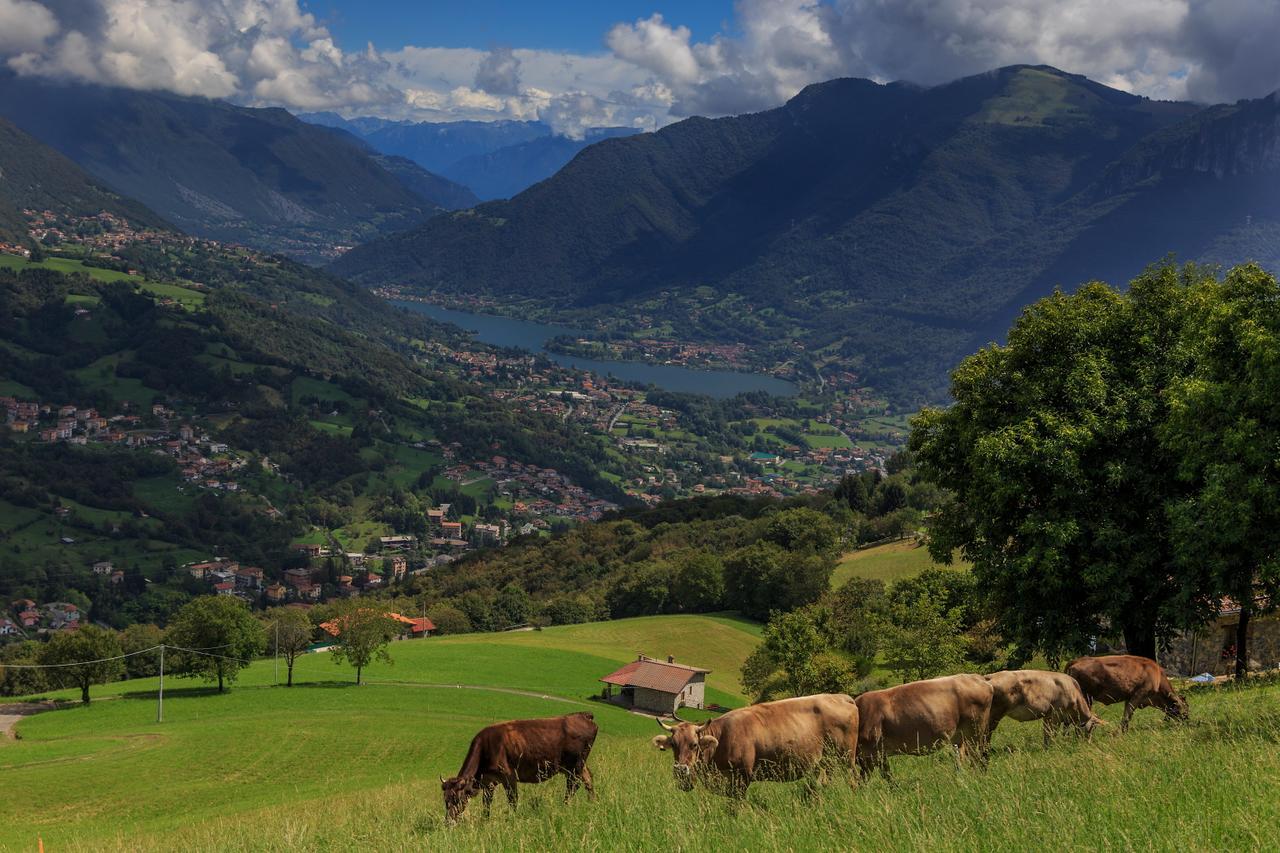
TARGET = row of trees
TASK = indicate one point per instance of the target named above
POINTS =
(919, 627)
(211, 638)
(1113, 468)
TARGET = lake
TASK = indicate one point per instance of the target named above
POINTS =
(522, 334)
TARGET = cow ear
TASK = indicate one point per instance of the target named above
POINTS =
(661, 741)
(708, 743)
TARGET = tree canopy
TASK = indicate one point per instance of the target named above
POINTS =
(221, 636)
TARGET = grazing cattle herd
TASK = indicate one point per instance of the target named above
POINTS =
(801, 738)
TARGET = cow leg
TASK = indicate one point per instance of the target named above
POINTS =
(584, 775)
(1048, 731)
(486, 793)
(884, 767)
(513, 796)
(1128, 714)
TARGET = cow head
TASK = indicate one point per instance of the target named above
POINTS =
(457, 792)
(1175, 707)
(690, 745)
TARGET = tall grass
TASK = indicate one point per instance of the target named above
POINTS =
(1211, 784)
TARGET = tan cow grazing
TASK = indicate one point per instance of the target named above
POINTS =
(522, 751)
(922, 716)
(1033, 694)
(778, 741)
(1136, 681)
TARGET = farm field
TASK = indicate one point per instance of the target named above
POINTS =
(889, 562)
(329, 766)
(66, 265)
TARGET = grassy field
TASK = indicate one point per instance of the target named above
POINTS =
(66, 265)
(329, 766)
(889, 562)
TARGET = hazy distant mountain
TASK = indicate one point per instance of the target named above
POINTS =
(511, 170)
(890, 226)
(256, 176)
(33, 175)
(495, 159)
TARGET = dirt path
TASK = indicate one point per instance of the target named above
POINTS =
(12, 713)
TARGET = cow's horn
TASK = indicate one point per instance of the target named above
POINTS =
(664, 725)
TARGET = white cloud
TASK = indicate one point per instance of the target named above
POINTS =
(24, 26)
(274, 52)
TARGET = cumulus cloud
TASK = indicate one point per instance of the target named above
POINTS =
(24, 25)
(1204, 49)
(651, 70)
(499, 72)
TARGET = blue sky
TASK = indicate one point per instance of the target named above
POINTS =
(578, 26)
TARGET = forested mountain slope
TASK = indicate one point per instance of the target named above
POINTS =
(256, 176)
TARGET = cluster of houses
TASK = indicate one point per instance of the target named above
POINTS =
(26, 618)
(536, 492)
(103, 231)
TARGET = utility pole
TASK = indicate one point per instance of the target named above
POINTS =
(277, 676)
(160, 695)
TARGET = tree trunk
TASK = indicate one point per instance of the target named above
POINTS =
(289, 683)
(1242, 644)
(84, 692)
(358, 668)
(220, 680)
(1140, 639)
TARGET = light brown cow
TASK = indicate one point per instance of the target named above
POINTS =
(1136, 681)
(920, 717)
(1034, 694)
(778, 741)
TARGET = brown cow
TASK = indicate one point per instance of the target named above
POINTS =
(1034, 694)
(778, 741)
(522, 751)
(919, 717)
(1136, 681)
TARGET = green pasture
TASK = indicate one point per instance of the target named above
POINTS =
(65, 265)
(889, 562)
(330, 766)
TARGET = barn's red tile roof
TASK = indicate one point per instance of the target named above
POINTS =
(654, 675)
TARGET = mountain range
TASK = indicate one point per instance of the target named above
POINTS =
(495, 159)
(888, 228)
(255, 176)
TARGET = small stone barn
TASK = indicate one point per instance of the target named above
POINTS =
(656, 686)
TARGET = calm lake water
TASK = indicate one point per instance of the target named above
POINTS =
(508, 332)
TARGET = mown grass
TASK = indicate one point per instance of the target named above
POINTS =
(356, 768)
(889, 562)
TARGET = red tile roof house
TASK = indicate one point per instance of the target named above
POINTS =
(657, 687)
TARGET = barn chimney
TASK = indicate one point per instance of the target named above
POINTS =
(671, 658)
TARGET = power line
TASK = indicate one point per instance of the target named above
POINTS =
(76, 663)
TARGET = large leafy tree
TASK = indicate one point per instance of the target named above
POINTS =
(1225, 428)
(1060, 483)
(95, 651)
(220, 637)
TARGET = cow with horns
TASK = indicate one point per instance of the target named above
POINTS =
(780, 741)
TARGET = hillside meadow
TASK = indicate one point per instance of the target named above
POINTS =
(327, 765)
(892, 561)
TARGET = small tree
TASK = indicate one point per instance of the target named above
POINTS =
(87, 643)
(289, 633)
(699, 582)
(223, 634)
(923, 639)
(449, 620)
(792, 643)
(363, 635)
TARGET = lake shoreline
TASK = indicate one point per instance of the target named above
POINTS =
(530, 336)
